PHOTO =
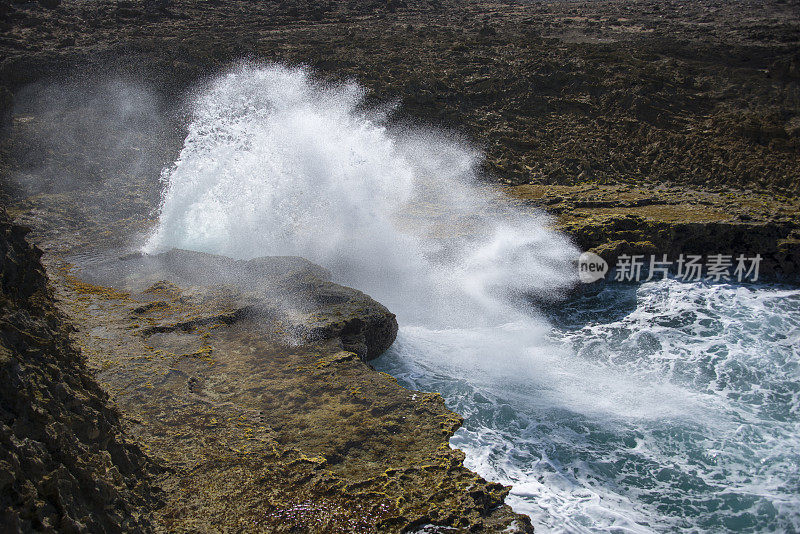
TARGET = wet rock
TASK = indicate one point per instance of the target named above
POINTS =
(290, 289)
(624, 99)
(248, 380)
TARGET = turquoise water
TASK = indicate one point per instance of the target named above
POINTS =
(659, 408)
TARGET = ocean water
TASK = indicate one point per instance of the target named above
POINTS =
(662, 407)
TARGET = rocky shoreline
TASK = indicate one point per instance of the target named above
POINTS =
(643, 127)
(247, 396)
(258, 432)
(65, 462)
(653, 98)
(621, 219)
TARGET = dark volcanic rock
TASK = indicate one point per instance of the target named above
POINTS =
(556, 93)
(292, 288)
(64, 465)
(568, 97)
(615, 220)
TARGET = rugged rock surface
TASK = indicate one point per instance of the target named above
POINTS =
(652, 94)
(244, 379)
(64, 463)
(244, 384)
(645, 126)
(576, 92)
(622, 219)
(290, 290)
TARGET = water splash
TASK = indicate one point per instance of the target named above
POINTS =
(670, 407)
(278, 163)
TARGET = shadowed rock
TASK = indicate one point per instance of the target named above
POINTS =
(64, 465)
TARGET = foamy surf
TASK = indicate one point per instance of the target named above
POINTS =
(699, 433)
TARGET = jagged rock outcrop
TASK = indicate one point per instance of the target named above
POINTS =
(572, 97)
(613, 220)
(288, 289)
(64, 464)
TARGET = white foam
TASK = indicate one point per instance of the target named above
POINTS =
(698, 431)
(278, 163)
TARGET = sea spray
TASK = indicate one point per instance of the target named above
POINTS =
(278, 163)
(670, 407)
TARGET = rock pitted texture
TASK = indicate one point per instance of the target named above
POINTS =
(576, 97)
(703, 93)
(619, 219)
(248, 380)
(286, 289)
(64, 465)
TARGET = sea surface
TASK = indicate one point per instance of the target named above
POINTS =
(665, 407)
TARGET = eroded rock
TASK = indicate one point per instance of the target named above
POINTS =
(64, 462)
(289, 291)
(248, 379)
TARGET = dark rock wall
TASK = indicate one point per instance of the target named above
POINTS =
(64, 465)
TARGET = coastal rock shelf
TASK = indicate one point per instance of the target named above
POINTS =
(187, 392)
(612, 220)
(247, 381)
(290, 293)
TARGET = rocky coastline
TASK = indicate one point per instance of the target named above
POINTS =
(690, 112)
(65, 461)
(160, 394)
(182, 408)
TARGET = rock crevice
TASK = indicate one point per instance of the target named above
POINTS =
(64, 462)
